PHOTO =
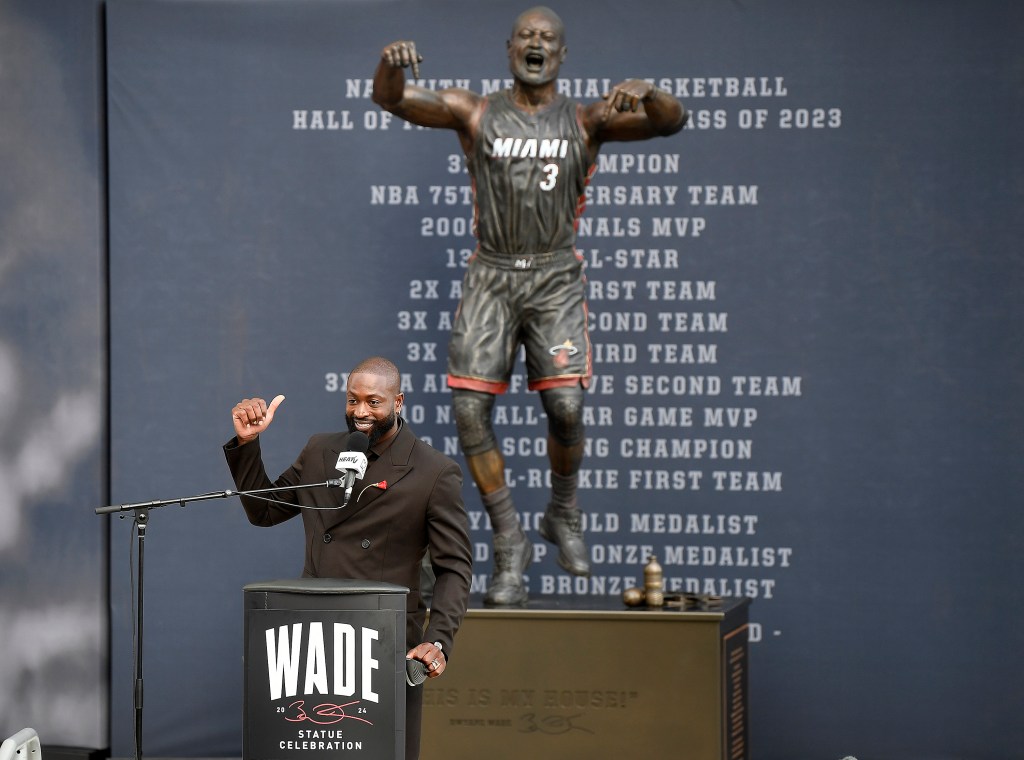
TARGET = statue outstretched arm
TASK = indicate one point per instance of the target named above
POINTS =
(452, 108)
(634, 110)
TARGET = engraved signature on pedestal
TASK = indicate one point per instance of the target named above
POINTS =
(550, 724)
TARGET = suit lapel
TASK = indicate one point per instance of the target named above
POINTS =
(381, 475)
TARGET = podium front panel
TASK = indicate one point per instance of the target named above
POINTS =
(324, 672)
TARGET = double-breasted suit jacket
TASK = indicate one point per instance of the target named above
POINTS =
(408, 502)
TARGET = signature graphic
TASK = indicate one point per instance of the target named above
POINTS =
(324, 714)
(550, 724)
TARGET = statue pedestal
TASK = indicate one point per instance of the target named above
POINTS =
(565, 678)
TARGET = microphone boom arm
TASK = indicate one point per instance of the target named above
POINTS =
(114, 508)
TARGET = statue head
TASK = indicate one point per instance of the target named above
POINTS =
(537, 46)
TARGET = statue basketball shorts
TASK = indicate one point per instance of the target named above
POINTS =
(536, 301)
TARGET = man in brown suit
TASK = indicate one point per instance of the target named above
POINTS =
(408, 503)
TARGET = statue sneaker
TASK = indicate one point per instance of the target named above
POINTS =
(564, 527)
(512, 554)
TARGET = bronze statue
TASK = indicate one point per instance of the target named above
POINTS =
(530, 152)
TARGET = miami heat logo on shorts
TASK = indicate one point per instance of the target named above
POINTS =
(562, 353)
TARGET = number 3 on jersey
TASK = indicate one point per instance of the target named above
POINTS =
(551, 175)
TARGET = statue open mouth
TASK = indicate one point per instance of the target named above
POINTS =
(534, 61)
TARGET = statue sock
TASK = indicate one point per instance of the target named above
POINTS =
(501, 510)
(563, 492)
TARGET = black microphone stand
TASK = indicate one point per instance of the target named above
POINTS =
(141, 511)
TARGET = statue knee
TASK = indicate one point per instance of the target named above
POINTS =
(564, 408)
(473, 421)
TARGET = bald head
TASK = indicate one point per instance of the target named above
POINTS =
(540, 10)
(536, 49)
(384, 368)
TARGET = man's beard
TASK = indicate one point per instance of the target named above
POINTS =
(379, 429)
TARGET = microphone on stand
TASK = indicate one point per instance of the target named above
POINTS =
(353, 462)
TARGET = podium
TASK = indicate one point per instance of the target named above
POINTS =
(324, 669)
(567, 678)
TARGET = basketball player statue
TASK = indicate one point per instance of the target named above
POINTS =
(530, 152)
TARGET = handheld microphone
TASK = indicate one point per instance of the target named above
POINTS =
(415, 672)
(353, 462)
